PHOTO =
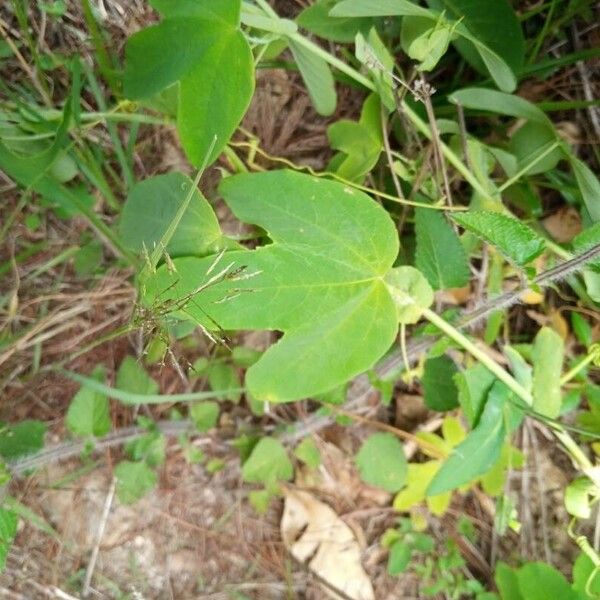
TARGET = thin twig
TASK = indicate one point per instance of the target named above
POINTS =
(101, 527)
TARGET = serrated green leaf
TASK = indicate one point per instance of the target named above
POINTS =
(152, 205)
(88, 413)
(480, 449)
(132, 377)
(201, 48)
(440, 255)
(267, 463)
(317, 20)
(586, 240)
(440, 391)
(317, 77)
(134, 480)
(321, 282)
(548, 354)
(381, 462)
(519, 243)
(20, 439)
(204, 415)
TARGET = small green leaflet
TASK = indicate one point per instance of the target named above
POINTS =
(381, 462)
(133, 378)
(268, 463)
(8, 530)
(204, 415)
(493, 23)
(201, 47)
(519, 243)
(481, 448)
(88, 413)
(440, 255)
(317, 77)
(308, 453)
(322, 281)
(20, 439)
(548, 351)
(499, 70)
(316, 19)
(134, 479)
(440, 391)
(152, 205)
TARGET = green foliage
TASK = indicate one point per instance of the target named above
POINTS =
(152, 205)
(381, 462)
(308, 453)
(88, 413)
(132, 377)
(201, 48)
(516, 241)
(547, 354)
(440, 391)
(204, 415)
(317, 77)
(320, 281)
(315, 18)
(533, 581)
(21, 439)
(8, 530)
(134, 480)
(440, 255)
(268, 463)
(476, 455)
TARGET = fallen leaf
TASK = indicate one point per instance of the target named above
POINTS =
(316, 536)
(563, 225)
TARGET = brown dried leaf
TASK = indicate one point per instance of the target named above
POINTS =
(316, 536)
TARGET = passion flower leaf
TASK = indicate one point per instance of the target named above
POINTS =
(321, 282)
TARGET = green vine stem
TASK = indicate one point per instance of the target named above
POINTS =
(568, 443)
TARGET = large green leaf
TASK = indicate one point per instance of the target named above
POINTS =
(200, 47)
(152, 205)
(515, 240)
(480, 449)
(440, 255)
(321, 281)
(493, 23)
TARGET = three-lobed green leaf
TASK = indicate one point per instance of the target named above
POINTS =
(321, 281)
